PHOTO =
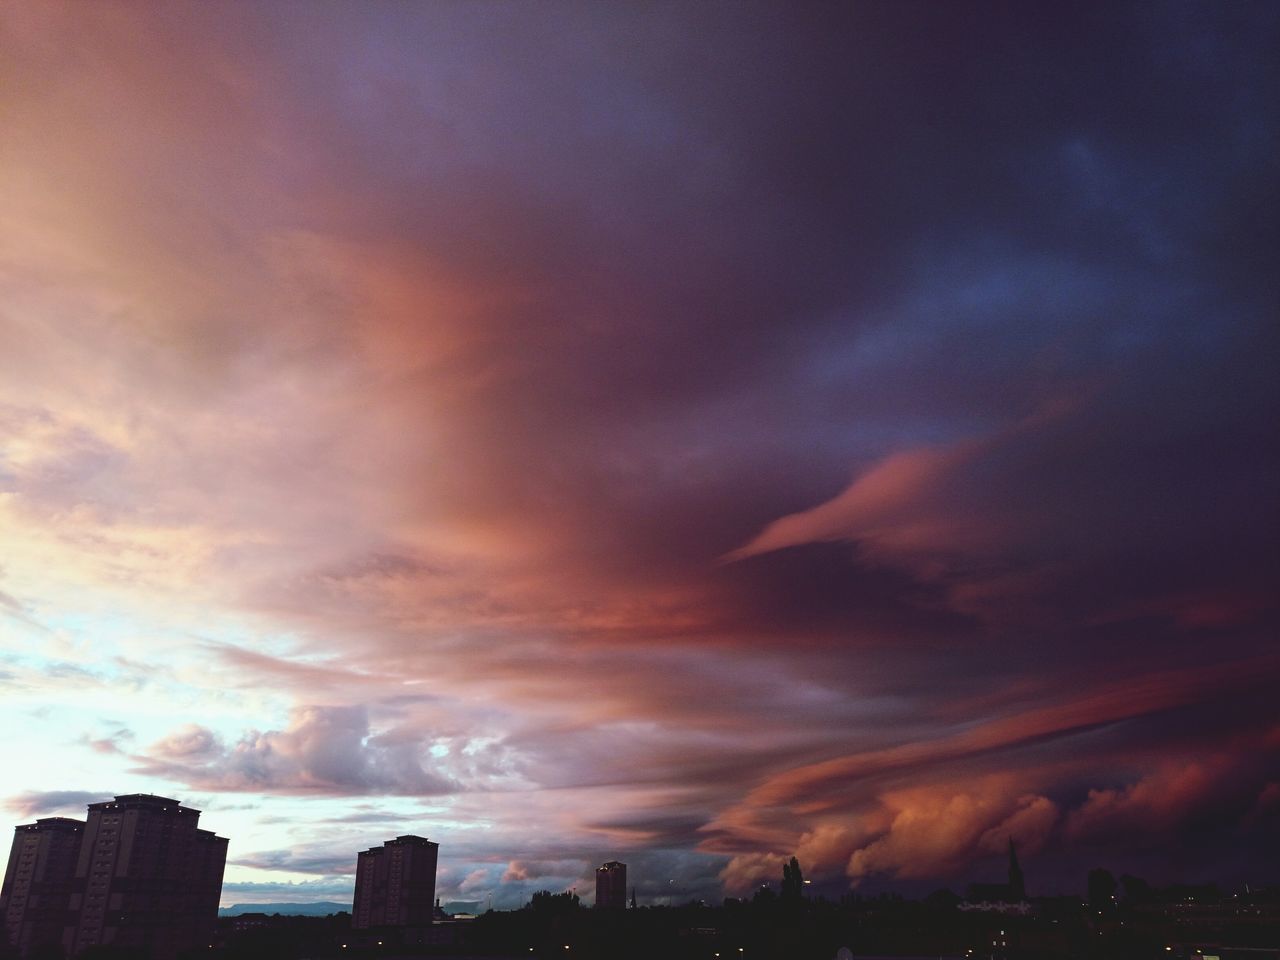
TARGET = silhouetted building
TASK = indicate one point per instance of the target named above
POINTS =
(147, 879)
(1017, 888)
(611, 885)
(396, 884)
(1008, 897)
(38, 882)
(139, 875)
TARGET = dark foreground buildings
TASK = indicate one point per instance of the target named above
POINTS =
(611, 885)
(138, 875)
(1007, 898)
(396, 885)
(36, 895)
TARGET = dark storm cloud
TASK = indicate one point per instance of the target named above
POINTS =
(1041, 218)
(844, 429)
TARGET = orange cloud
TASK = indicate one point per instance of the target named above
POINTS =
(936, 828)
(747, 871)
(1108, 704)
(1152, 804)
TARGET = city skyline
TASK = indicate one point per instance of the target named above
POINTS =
(689, 435)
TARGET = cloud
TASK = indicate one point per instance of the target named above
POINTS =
(318, 858)
(1268, 802)
(755, 454)
(925, 831)
(1106, 704)
(478, 879)
(326, 750)
(930, 809)
(748, 871)
(375, 816)
(191, 742)
(293, 891)
(1152, 804)
(825, 850)
(12, 605)
(37, 803)
(1035, 516)
(1028, 826)
(519, 870)
(934, 829)
(880, 506)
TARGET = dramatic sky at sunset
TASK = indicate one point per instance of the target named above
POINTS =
(684, 433)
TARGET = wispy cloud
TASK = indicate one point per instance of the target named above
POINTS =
(37, 803)
(734, 442)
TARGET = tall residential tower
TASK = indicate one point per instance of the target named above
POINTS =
(147, 877)
(138, 876)
(611, 885)
(396, 884)
(35, 898)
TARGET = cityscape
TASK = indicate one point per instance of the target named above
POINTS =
(640, 479)
(139, 879)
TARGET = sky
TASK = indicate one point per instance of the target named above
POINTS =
(686, 434)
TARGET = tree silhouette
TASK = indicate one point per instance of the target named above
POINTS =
(1102, 888)
(544, 901)
(792, 880)
(1136, 890)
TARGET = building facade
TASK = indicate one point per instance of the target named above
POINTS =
(138, 875)
(147, 878)
(396, 884)
(36, 896)
(611, 885)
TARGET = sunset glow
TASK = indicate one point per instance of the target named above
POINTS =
(691, 435)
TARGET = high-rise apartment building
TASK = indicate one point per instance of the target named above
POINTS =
(139, 875)
(611, 885)
(147, 877)
(396, 884)
(36, 895)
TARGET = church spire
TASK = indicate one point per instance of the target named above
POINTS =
(1017, 886)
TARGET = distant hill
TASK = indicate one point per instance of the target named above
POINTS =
(462, 906)
(320, 908)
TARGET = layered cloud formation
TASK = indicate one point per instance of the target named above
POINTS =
(690, 435)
